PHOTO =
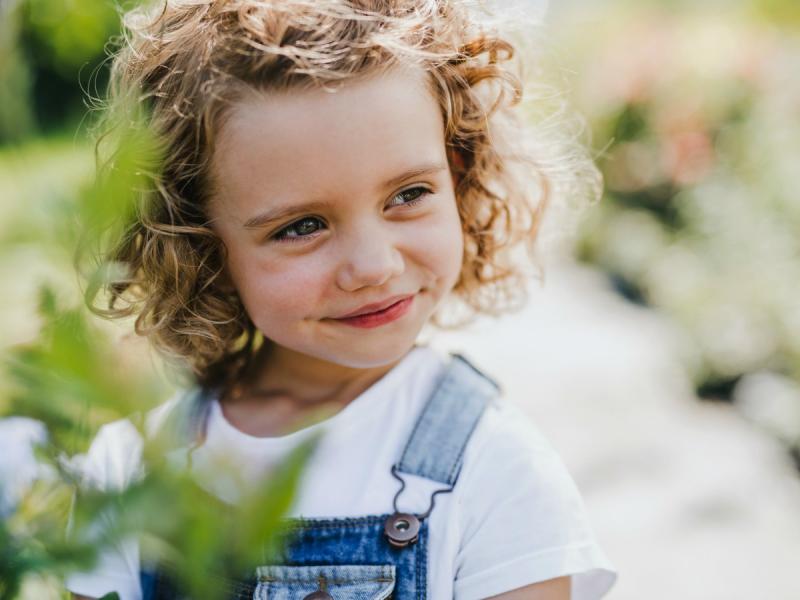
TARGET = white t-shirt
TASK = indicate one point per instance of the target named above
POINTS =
(514, 518)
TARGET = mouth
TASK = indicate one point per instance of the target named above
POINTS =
(376, 307)
(387, 311)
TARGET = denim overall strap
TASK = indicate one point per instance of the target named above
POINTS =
(436, 447)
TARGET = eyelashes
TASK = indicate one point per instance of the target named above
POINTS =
(308, 228)
(416, 195)
(300, 229)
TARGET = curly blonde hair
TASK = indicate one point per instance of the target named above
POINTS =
(188, 61)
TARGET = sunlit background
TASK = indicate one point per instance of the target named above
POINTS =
(661, 352)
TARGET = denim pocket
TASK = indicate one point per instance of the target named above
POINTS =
(341, 582)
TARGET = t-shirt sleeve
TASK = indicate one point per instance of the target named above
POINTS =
(113, 461)
(521, 516)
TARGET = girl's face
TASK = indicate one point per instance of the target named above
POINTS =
(339, 204)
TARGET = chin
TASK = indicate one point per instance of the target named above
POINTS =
(368, 357)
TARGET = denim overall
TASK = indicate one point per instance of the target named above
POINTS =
(371, 557)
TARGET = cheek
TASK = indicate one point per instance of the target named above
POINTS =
(443, 248)
(455, 254)
(279, 289)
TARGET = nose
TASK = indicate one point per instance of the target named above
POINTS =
(369, 258)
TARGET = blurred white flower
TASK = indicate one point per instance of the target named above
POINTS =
(772, 401)
(18, 465)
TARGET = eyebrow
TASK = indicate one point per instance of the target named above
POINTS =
(281, 212)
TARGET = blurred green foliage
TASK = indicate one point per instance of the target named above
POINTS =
(65, 35)
(16, 117)
(197, 538)
(52, 54)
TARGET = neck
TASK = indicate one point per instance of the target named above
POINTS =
(285, 391)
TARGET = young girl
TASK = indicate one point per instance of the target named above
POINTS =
(336, 177)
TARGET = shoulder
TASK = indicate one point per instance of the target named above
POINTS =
(508, 461)
(520, 516)
(511, 455)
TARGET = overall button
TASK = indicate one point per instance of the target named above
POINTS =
(318, 595)
(401, 529)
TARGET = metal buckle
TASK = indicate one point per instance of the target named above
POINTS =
(402, 529)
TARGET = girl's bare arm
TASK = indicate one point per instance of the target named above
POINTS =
(552, 589)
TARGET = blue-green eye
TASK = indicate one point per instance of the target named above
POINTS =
(303, 228)
(410, 196)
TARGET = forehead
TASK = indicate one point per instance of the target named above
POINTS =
(312, 142)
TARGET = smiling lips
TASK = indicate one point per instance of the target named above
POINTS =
(374, 315)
